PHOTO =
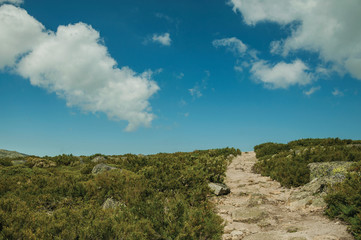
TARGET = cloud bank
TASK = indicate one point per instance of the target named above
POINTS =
(74, 63)
(327, 27)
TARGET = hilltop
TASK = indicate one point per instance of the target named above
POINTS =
(11, 154)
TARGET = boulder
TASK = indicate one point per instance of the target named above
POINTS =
(219, 188)
(101, 167)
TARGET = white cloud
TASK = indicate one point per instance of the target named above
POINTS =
(337, 92)
(163, 39)
(311, 91)
(19, 32)
(281, 75)
(232, 44)
(16, 2)
(75, 64)
(328, 27)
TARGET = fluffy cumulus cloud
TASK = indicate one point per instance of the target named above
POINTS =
(232, 44)
(281, 75)
(75, 64)
(327, 27)
(163, 39)
(19, 33)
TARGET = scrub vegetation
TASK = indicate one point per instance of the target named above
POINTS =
(161, 196)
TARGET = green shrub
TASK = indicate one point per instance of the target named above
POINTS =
(287, 163)
(344, 201)
(161, 196)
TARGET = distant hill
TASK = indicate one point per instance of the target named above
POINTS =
(10, 154)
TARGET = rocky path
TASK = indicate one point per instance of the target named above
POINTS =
(258, 209)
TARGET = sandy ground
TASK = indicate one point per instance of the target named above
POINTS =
(257, 209)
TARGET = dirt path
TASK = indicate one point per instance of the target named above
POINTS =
(257, 209)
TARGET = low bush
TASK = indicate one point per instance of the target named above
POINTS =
(161, 196)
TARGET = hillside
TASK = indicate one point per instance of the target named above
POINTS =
(161, 196)
(10, 154)
(305, 189)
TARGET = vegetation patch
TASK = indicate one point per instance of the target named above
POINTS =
(161, 196)
(290, 165)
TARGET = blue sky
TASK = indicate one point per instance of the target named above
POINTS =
(114, 77)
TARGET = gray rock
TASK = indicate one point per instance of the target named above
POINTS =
(101, 167)
(110, 203)
(98, 159)
(219, 188)
(18, 162)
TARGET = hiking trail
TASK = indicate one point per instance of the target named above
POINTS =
(258, 209)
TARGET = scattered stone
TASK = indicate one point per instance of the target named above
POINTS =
(101, 167)
(249, 215)
(98, 159)
(297, 238)
(219, 188)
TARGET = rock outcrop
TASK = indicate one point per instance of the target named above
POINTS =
(310, 196)
(101, 167)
